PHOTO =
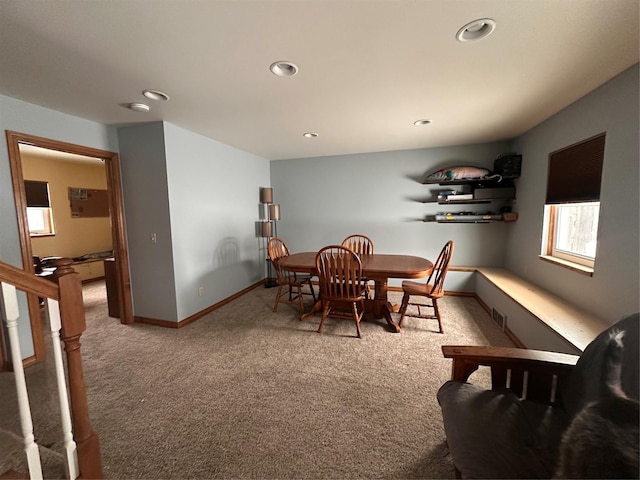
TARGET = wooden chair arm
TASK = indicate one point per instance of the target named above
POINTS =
(522, 370)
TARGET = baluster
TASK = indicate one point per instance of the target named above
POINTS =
(65, 416)
(12, 314)
(554, 388)
(525, 384)
(73, 325)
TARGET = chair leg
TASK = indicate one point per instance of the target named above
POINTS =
(325, 313)
(313, 293)
(437, 313)
(403, 308)
(300, 300)
(357, 319)
(278, 293)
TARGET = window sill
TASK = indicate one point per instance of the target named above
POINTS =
(575, 267)
(32, 235)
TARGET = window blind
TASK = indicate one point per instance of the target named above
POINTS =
(575, 172)
(37, 193)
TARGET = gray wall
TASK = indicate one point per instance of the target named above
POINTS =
(214, 201)
(613, 291)
(379, 194)
(200, 197)
(144, 186)
(31, 119)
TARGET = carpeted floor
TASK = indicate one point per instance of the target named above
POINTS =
(248, 393)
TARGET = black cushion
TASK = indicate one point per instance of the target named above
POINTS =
(585, 384)
(494, 434)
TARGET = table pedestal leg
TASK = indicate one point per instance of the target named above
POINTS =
(316, 308)
(381, 307)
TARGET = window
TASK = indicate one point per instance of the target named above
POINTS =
(40, 221)
(574, 235)
(572, 207)
(39, 215)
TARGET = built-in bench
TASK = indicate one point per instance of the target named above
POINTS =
(557, 324)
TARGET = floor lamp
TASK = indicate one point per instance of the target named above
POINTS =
(267, 227)
(274, 216)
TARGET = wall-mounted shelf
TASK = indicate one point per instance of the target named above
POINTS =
(473, 192)
(471, 217)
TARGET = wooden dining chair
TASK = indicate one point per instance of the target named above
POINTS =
(292, 281)
(362, 245)
(430, 291)
(341, 284)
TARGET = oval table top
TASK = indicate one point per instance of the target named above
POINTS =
(376, 265)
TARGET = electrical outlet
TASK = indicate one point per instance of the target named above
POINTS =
(154, 238)
(200, 291)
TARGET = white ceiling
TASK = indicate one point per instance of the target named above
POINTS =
(368, 69)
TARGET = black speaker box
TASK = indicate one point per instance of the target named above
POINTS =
(508, 166)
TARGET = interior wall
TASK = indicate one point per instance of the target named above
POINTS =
(614, 289)
(214, 204)
(73, 237)
(144, 187)
(200, 198)
(23, 117)
(381, 195)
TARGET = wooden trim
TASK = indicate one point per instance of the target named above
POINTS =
(26, 281)
(482, 304)
(453, 293)
(577, 335)
(512, 336)
(200, 314)
(462, 269)
(116, 207)
(157, 322)
(33, 303)
(119, 239)
(574, 267)
(91, 280)
(551, 229)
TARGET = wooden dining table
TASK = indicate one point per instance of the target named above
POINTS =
(377, 267)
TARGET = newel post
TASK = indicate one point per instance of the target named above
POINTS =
(73, 325)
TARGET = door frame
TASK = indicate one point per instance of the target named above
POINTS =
(116, 209)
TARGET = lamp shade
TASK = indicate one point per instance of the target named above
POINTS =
(274, 211)
(266, 229)
(266, 195)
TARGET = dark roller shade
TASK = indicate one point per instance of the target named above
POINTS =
(575, 172)
(37, 193)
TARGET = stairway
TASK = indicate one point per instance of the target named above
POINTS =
(13, 462)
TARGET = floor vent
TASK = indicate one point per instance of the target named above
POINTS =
(500, 318)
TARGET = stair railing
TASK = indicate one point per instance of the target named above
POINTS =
(67, 321)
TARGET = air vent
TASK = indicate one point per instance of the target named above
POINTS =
(500, 318)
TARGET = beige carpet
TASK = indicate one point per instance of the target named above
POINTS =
(248, 393)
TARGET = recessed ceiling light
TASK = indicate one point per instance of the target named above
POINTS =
(422, 122)
(139, 107)
(284, 69)
(155, 95)
(310, 135)
(476, 30)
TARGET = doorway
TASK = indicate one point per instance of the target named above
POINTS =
(116, 213)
